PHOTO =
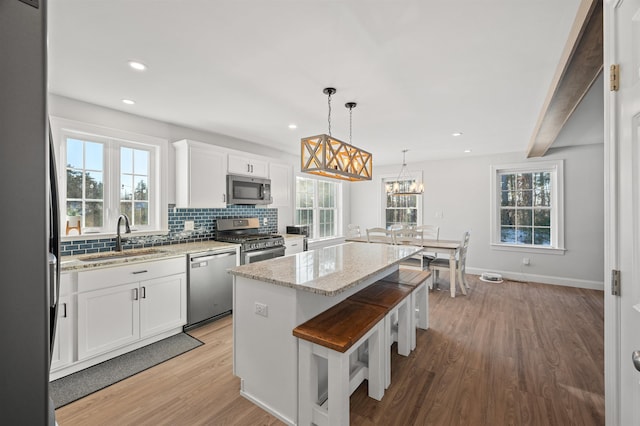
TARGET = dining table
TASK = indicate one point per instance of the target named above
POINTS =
(436, 246)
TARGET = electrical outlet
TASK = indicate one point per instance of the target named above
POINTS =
(188, 225)
(526, 261)
(262, 309)
(265, 221)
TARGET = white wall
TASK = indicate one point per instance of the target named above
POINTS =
(72, 109)
(460, 189)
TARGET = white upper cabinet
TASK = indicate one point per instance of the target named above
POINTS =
(281, 176)
(201, 171)
(248, 165)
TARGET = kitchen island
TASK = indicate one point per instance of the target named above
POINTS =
(272, 297)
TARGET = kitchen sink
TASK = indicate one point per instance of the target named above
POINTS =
(119, 254)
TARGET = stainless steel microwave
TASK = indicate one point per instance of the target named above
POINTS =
(248, 190)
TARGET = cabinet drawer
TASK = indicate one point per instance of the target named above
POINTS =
(102, 278)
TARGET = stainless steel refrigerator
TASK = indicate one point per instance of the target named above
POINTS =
(26, 234)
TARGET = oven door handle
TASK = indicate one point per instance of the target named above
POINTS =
(251, 254)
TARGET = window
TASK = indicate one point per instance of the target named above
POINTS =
(106, 173)
(528, 206)
(317, 206)
(405, 210)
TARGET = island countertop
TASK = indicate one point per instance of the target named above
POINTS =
(328, 271)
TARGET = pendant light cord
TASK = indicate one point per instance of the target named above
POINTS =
(350, 123)
(329, 117)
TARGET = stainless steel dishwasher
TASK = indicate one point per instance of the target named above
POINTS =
(210, 287)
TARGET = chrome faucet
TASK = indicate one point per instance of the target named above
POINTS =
(127, 230)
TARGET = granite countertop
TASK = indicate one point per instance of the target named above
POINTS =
(76, 263)
(327, 271)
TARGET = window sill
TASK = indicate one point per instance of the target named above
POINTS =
(111, 235)
(529, 249)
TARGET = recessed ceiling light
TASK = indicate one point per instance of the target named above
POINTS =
(456, 134)
(128, 101)
(139, 66)
(293, 126)
(467, 151)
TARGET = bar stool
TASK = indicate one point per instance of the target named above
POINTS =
(334, 335)
(417, 281)
(397, 301)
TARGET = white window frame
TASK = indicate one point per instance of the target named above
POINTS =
(383, 197)
(114, 139)
(316, 209)
(556, 169)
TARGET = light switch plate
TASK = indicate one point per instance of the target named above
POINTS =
(188, 225)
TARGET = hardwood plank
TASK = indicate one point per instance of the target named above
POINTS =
(503, 355)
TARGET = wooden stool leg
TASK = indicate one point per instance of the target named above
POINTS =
(387, 341)
(338, 388)
(422, 296)
(404, 336)
(376, 366)
(307, 382)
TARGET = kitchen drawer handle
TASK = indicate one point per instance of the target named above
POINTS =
(144, 292)
(135, 294)
(293, 245)
(64, 310)
(144, 271)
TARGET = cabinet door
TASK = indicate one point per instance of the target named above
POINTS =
(207, 182)
(162, 304)
(281, 176)
(107, 319)
(62, 346)
(247, 166)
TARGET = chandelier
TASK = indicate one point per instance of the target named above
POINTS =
(405, 183)
(327, 156)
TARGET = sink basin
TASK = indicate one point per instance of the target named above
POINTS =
(119, 254)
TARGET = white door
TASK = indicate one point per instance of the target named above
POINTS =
(163, 304)
(62, 351)
(207, 184)
(622, 214)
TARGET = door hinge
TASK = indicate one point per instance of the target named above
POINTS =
(614, 77)
(615, 282)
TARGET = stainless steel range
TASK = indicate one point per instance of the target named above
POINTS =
(254, 245)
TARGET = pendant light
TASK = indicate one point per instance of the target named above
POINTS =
(327, 156)
(405, 183)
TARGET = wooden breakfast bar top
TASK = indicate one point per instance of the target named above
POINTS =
(327, 271)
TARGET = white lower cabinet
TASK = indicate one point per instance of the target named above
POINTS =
(293, 245)
(114, 310)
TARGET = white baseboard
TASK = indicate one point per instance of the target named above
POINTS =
(544, 279)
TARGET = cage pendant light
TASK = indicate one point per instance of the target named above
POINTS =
(405, 183)
(327, 156)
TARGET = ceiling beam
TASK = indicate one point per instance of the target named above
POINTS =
(579, 66)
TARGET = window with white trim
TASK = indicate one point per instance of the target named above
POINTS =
(318, 206)
(400, 210)
(528, 205)
(103, 175)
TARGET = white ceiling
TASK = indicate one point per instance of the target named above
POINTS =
(419, 70)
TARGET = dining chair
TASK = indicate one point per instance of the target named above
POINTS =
(441, 263)
(353, 231)
(429, 232)
(412, 237)
(379, 235)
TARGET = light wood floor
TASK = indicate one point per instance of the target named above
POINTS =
(506, 354)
